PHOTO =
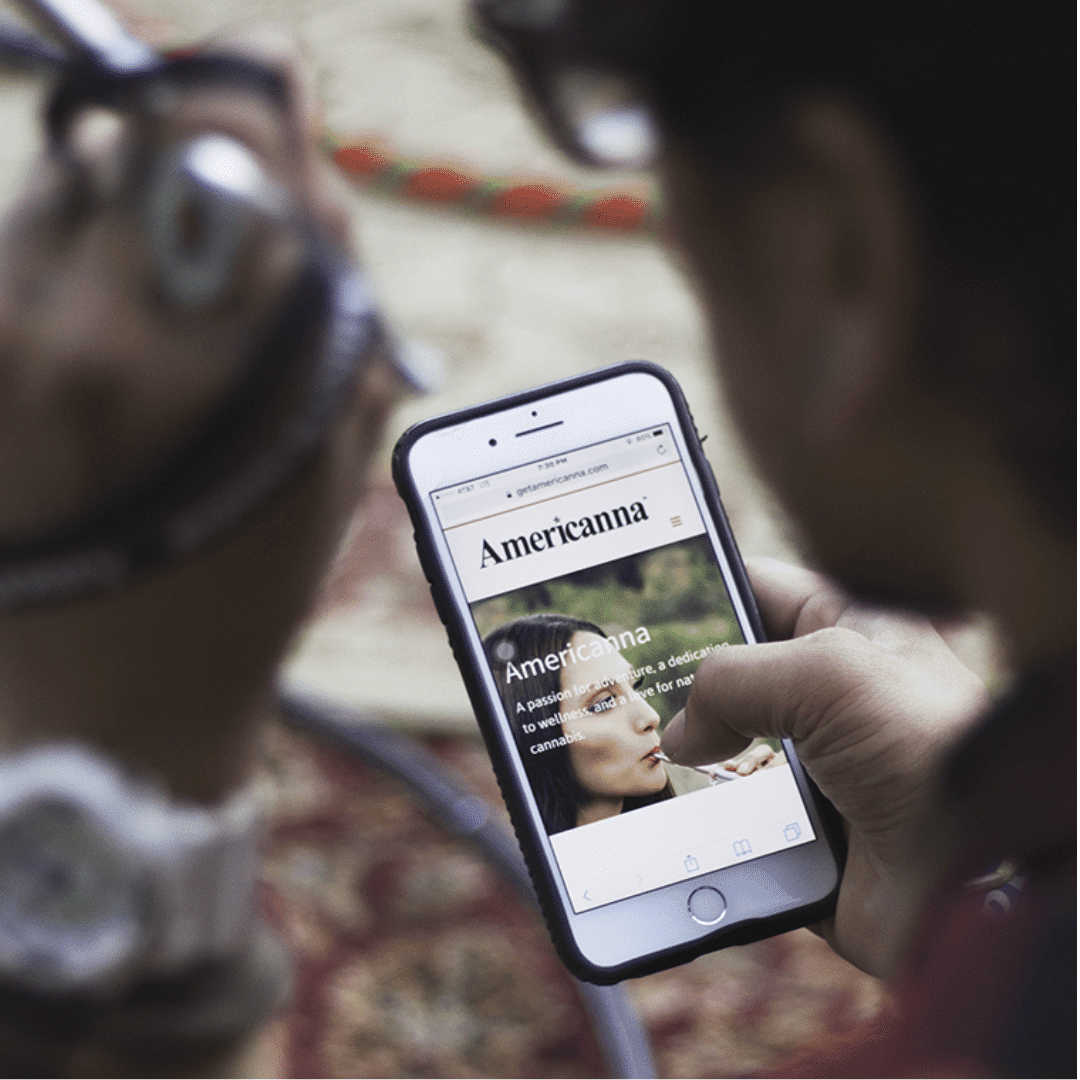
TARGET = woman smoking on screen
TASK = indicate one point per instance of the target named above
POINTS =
(590, 749)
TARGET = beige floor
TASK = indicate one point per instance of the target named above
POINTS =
(507, 307)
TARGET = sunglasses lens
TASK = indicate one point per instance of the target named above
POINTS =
(199, 204)
(608, 120)
(195, 234)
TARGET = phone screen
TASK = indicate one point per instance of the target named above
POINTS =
(597, 592)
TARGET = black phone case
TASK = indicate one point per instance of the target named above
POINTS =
(458, 627)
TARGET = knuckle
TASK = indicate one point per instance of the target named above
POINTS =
(829, 664)
(266, 43)
(822, 607)
(837, 646)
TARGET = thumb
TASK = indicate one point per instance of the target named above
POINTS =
(745, 692)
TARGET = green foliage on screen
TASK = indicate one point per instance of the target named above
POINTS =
(677, 592)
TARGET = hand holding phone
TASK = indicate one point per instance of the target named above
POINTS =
(579, 556)
(874, 701)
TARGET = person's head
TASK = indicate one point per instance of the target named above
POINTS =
(877, 202)
(584, 700)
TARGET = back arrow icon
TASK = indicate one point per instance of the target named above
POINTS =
(585, 897)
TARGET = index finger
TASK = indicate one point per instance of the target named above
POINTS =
(794, 601)
(274, 46)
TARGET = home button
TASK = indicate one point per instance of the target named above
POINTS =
(707, 905)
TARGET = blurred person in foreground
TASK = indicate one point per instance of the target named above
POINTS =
(192, 381)
(876, 205)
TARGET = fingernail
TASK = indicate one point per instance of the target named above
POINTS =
(266, 41)
(277, 46)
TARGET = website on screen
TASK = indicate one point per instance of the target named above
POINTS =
(595, 588)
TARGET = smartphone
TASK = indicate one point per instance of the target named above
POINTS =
(579, 556)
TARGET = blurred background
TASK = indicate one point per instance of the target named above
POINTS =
(415, 956)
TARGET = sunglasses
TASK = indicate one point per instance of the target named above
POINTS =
(592, 107)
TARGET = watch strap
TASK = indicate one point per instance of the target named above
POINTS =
(204, 867)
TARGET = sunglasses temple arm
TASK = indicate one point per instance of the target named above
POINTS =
(25, 50)
(93, 32)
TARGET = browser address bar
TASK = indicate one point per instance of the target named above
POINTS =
(555, 476)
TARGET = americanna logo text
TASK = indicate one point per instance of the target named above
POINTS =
(561, 532)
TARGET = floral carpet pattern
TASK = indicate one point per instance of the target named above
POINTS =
(415, 959)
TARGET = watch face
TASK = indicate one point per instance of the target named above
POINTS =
(72, 908)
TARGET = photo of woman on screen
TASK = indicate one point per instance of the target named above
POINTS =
(588, 738)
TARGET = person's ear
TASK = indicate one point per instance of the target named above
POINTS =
(863, 256)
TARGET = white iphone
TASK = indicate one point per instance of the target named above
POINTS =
(579, 556)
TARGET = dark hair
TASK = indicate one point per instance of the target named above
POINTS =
(558, 792)
(979, 101)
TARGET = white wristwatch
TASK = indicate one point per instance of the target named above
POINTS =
(105, 881)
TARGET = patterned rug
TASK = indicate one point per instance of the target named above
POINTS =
(415, 959)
